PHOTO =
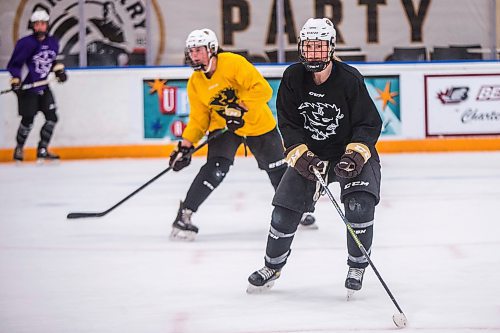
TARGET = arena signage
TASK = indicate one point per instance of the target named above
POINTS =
(466, 104)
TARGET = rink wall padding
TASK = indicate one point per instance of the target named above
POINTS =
(141, 111)
(157, 151)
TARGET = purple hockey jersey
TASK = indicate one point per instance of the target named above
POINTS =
(39, 57)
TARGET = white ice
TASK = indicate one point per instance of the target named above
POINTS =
(437, 246)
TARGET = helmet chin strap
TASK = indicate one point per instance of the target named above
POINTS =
(210, 62)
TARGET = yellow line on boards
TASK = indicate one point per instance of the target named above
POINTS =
(144, 151)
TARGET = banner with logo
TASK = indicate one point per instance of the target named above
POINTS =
(462, 104)
(166, 106)
(116, 29)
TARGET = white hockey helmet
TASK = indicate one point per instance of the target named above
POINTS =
(317, 29)
(39, 15)
(203, 37)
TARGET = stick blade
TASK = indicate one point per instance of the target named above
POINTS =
(400, 320)
(83, 215)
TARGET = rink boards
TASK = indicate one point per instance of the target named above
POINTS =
(140, 112)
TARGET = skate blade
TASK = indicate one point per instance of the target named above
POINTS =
(44, 161)
(182, 235)
(251, 289)
(350, 294)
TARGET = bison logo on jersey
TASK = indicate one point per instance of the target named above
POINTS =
(223, 98)
(322, 119)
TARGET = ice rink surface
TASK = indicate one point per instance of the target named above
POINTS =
(437, 246)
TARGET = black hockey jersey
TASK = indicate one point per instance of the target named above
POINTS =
(328, 116)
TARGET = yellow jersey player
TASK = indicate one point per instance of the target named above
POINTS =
(225, 90)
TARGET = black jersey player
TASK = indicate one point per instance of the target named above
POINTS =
(328, 122)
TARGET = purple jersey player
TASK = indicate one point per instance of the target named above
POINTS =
(38, 53)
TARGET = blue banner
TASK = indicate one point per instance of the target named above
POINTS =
(166, 106)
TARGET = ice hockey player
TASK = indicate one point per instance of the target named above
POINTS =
(328, 122)
(38, 52)
(225, 90)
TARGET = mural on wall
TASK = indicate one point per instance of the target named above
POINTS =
(115, 30)
(384, 91)
(166, 107)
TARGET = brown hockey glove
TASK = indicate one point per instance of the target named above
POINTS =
(303, 160)
(15, 84)
(180, 157)
(60, 73)
(353, 160)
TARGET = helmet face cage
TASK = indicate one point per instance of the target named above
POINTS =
(315, 60)
(317, 30)
(205, 38)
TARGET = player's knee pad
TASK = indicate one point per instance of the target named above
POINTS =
(49, 125)
(52, 117)
(27, 121)
(359, 207)
(214, 171)
(284, 220)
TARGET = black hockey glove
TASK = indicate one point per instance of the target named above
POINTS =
(15, 84)
(353, 160)
(180, 157)
(60, 73)
(233, 114)
(303, 160)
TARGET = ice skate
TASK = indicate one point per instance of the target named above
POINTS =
(354, 281)
(308, 221)
(182, 228)
(18, 154)
(43, 155)
(262, 280)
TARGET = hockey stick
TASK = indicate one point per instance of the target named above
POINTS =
(399, 318)
(28, 86)
(100, 214)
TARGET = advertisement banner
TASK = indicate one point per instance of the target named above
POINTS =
(166, 107)
(462, 104)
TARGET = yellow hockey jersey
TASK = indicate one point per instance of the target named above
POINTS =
(235, 80)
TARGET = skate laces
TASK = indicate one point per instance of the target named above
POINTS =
(355, 273)
(266, 272)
